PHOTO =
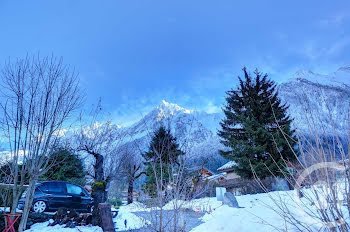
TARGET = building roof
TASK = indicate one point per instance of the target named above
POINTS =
(216, 176)
(197, 169)
(226, 166)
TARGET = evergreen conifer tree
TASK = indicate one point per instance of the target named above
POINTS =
(256, 129)
(68, 167)
(163, 152)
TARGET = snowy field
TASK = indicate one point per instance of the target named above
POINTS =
(218, 217)
(42, 227)
(255, 214)
(126, 220)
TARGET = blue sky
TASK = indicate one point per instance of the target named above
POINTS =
(133, 54)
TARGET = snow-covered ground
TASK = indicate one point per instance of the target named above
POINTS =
(261, 212)
(253, 216)
(42, 227)
(257, 212)
(126, 220)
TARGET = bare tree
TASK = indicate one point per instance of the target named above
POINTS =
(38, 97)
(100, 140)
(131, 169)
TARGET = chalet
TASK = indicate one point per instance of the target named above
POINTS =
(231, 181)
(204, 174)
(203, 182)
(227, 170)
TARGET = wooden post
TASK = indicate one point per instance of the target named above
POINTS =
(106, 217)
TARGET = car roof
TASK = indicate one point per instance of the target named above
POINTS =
(56, 181)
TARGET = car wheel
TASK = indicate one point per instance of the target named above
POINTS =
(39, 206)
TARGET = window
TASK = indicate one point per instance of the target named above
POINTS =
(74, 189)
(56, 187)
(43, 187)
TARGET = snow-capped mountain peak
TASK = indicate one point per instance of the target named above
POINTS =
(322, 94)
(166, 109)
(339, 78)
(344, 69)
(302, 73)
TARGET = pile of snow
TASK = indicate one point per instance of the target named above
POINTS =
(198, 205)
(253, 216)
(233, 219)
(135, 207)
(259, 212)
(126, 220)
(43, 227)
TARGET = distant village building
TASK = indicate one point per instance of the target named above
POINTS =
(206, 180)
(232, 182)
(227, 169)
(203, 182)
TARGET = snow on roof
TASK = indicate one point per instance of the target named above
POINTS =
(216, 176)
(228, 165)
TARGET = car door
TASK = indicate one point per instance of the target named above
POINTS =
(42, 192)
(58, 195)
(76, 194)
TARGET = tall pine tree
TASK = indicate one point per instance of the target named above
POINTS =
(251, 129)
(163, 154)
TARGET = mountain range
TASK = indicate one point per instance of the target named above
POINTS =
(327, 96)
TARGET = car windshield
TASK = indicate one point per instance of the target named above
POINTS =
(74, 189)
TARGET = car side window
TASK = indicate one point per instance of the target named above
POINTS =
(43, 187)
(74, 189)
(56, 187)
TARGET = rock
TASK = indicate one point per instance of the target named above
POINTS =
(230, 200)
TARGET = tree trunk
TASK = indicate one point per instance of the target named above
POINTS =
(131, 191)
(15, 192)
(15, 198)
(99, 196)
(99, 173)
(27, 204)
(99, 193)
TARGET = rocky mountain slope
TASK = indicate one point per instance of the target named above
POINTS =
(195, 132)
(327, 96)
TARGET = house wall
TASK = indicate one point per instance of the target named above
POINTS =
(231, 175)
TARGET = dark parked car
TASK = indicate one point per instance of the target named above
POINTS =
(51, 195)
